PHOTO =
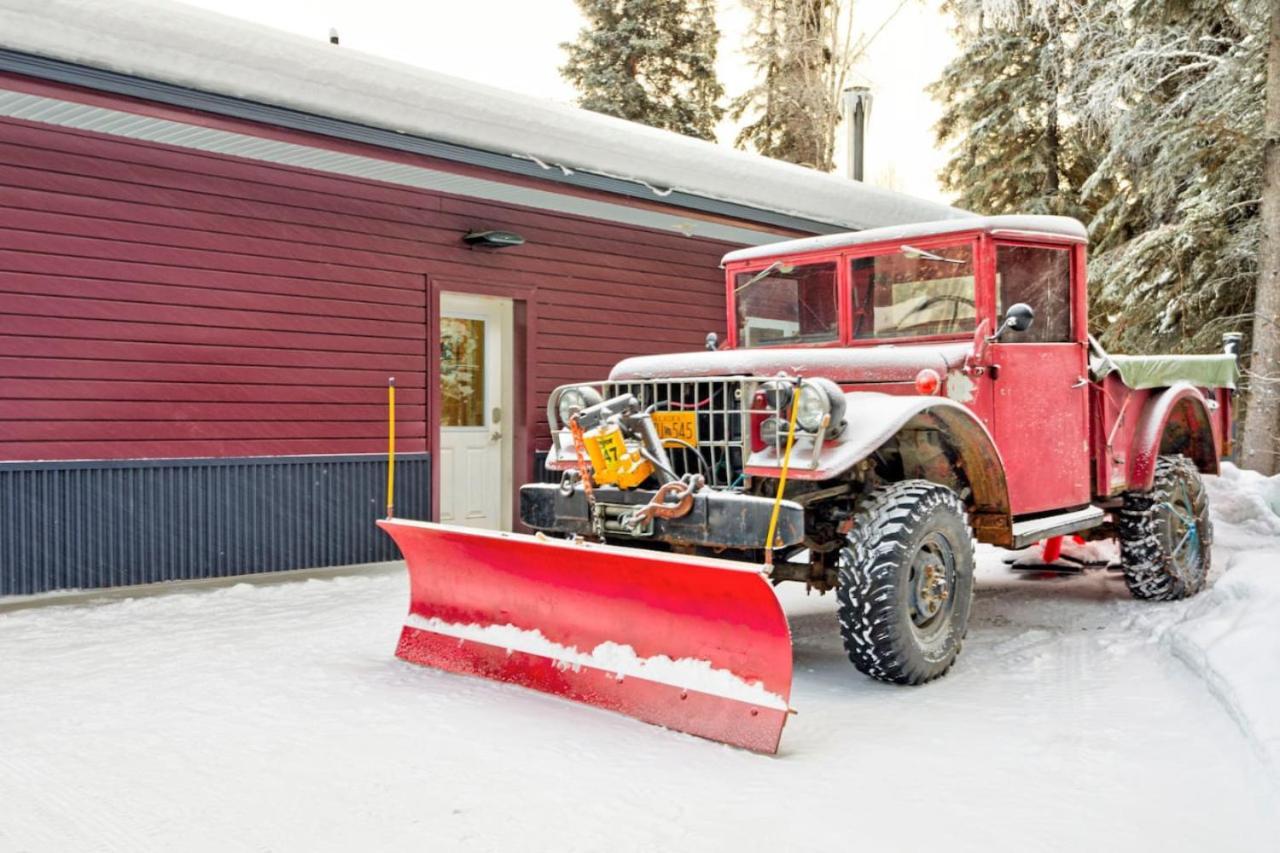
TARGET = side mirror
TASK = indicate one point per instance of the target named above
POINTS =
(1017, 319)
(1019, 316)
(713, 341)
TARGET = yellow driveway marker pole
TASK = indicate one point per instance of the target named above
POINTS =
(391, 446)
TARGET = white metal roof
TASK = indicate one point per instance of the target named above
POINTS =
(181, 45)
(1051, 226)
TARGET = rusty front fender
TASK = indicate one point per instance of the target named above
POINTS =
(1175, 420)
(874, 419)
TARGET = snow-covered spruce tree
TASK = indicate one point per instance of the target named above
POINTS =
(801, 51)
(1173, 93)
(1149, 115)
(649, 61)
(1004, 110)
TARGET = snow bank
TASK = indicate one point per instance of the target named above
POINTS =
(1230, 634)
(614, 658)
(203, 50)
(1246, 508)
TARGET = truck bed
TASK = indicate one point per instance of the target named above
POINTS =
(1215, 370)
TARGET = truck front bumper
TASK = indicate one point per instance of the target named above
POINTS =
(715, 520)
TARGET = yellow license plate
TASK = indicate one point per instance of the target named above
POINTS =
(681, 426)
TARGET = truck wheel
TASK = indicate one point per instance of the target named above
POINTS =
(906, 582)
(1165, 533)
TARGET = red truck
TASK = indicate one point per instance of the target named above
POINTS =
(883, 400)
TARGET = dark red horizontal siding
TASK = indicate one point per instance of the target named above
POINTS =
(160, 302)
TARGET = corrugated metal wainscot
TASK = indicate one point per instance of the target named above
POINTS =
(84, 525)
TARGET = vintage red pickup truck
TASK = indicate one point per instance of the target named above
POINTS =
(883, 400)
(945, 381)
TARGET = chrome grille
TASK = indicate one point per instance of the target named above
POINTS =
(722, 421)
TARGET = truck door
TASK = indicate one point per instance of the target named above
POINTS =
(1040, 407)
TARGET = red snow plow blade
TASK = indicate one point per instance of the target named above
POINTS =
(689, 643)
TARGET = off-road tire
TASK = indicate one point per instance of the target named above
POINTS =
(894, 529)
(1149, 526)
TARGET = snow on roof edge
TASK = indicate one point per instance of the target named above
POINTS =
(182, 45)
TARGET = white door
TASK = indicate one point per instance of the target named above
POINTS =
(475, 410)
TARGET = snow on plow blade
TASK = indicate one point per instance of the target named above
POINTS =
(689, 643)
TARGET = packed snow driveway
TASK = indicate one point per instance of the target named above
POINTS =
(276, 718)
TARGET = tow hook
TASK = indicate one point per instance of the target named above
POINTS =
(672, 500)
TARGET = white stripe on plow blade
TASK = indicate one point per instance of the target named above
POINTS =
(615, 658)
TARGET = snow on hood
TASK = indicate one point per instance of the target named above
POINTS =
(203, 50)
(843, 364)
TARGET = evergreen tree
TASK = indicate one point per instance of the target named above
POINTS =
(1156, 111)
(1016, 151)
(1175, 95)
(801, 51)
(649, 61)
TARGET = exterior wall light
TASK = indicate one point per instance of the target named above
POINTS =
(492, 239)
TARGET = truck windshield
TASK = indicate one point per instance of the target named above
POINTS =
(912, 292)
(787, 304)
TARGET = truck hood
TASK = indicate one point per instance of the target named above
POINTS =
(886, 363)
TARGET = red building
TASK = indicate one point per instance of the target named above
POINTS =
(217, 242)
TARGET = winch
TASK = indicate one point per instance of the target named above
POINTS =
(621, 443)
(614, 460)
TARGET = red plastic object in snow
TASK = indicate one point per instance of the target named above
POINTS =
(690, 643)
(1052, 549)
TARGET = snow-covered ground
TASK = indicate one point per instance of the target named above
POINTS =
(276, 718)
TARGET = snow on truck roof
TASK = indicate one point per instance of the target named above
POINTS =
(208, 52)
(1048, 226)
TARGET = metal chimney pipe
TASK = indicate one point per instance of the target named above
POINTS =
(857, 112)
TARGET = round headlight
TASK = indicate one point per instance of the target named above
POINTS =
(575, 400)
(814, 405)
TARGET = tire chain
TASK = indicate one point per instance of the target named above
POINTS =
(1148, 569)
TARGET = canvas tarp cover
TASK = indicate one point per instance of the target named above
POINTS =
(1160, 371)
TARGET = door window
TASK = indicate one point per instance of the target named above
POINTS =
(1042, 279)
(461, 372)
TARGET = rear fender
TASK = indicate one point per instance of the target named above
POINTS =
(922, 426)
(1175, 420)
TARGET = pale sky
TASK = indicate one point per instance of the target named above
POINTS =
(514, 44)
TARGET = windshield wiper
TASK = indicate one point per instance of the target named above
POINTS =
(760, 276)
(928, 256)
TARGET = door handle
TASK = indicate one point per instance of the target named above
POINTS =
(496, 435)
(1080, 383)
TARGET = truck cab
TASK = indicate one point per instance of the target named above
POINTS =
(940, 292)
